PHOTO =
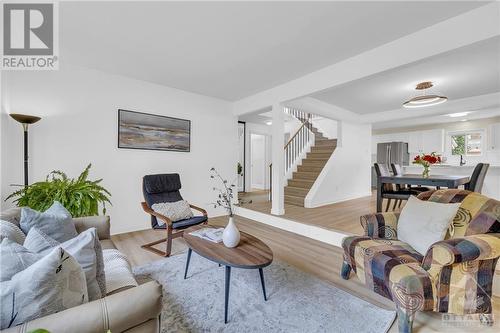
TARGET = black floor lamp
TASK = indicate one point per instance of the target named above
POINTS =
(25, 120)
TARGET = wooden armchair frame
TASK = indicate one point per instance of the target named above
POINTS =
(171, 232)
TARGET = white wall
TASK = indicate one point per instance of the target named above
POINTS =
(79, 125)
(347, 174)
(328, 127)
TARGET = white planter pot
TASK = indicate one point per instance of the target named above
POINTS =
(231, 234)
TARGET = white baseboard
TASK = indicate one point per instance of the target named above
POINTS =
(308, 204)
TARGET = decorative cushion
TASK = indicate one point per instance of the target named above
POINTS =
(12, 215)
(15, 258)
(11, 231)
(119, 275)
(175, 211)
(422, 223)
(54, 283)
(56, 222)
(85, 248)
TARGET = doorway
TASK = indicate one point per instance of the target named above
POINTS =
(258, 161)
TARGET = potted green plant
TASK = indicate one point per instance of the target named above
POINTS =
(80, 196)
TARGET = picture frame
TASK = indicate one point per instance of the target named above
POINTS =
(147, 131)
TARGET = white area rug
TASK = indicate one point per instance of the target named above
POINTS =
(297, 301)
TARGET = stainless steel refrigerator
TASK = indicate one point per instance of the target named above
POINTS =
(391, 152)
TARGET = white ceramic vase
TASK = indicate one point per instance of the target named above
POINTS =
(231, 234)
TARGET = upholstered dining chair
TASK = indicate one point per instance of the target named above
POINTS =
(165, 188)
(397, 170)
(477, 178)
(455, 275)
(389, 191)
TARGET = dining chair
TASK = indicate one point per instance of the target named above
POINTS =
(389, 191)
(477, 178)
(397, 170)
(165, 188)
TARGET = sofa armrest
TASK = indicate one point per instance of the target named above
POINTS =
(380, 225)
(117, 313)
(101, 223)
(463, 249)
(412, 288)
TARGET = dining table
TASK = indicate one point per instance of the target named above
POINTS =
(448, 181)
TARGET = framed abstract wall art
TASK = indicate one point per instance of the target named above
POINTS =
(137, 130)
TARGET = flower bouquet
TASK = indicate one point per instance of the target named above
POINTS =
(426, 160)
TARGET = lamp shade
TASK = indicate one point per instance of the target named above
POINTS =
(24, 118)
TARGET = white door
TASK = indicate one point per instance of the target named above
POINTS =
(241, 157)
(257, 160)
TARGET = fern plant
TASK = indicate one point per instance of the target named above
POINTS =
(80, 196)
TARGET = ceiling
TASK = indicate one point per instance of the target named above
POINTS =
(472, 70)
(231, 50)
(262, 117)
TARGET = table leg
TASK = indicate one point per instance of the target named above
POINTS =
(379, 195)
(228, 279)
(261, 273)
(187, 263)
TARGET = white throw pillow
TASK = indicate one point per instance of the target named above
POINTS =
(85, 248)
(54, 283)
(423, 223)
(175, 211)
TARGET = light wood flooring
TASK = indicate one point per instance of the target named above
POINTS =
(342, 216)
(314, 257)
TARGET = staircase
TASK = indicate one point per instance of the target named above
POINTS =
(309, 169)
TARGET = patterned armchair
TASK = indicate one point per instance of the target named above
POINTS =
(454, 276)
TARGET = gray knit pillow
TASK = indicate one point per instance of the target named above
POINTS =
(175, 211)
(11, 231)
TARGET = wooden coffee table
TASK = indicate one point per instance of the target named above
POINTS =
(251, 253)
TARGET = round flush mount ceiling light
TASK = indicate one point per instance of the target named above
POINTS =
(424, 99)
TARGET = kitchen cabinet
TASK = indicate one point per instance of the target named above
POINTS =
(415, 142)
(494, 137)
(427, 141)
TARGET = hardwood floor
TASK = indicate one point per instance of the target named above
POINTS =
(314, 257)
(343, 216)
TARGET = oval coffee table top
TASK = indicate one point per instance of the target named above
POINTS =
(251, 252)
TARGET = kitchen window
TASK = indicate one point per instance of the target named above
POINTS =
(469, 143)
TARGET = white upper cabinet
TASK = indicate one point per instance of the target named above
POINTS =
(433, 141)
(415, 142)
(494, 137)
(426, 141)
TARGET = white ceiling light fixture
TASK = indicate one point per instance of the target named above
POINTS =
(458, 114)
(269, 123)
(424, 100)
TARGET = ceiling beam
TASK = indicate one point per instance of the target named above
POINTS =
(324, 109)
(473, 26)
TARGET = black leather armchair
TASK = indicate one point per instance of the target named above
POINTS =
(165, 188)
